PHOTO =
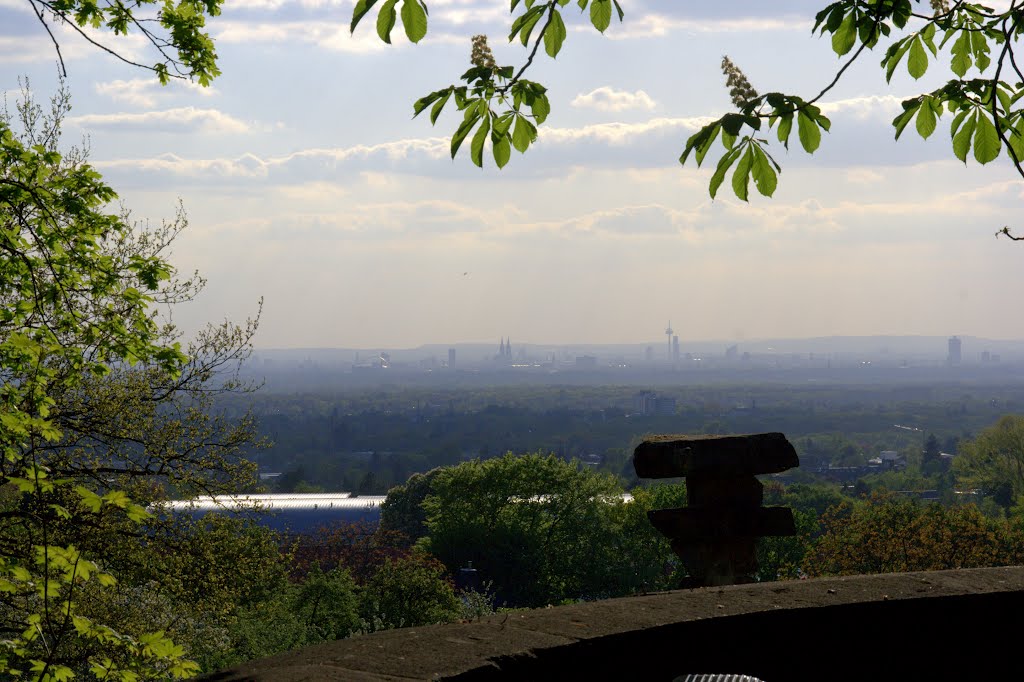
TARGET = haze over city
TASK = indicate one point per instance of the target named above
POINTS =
(307, 183)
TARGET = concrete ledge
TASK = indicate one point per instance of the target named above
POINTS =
(943, 625)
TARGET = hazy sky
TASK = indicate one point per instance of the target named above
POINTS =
(308, 183)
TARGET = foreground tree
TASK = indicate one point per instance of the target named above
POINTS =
(542, 530)
(888, 534)
(994, 461)
(98, 402)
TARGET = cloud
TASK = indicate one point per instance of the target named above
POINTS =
(245, 166)
(617, 133)
(660, 25)
(144, 92)
(304, 163)
(863, 176)
(179, 120)
(617, 144)
(32, 44)
(633, 220)
(466, 13)
(607, 98)
(273, 5)
(865, 107)
(333, 35)
(377, 222)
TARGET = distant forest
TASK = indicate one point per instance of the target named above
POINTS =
(369, 440)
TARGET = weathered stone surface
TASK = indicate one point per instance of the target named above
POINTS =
(700, 523)
(731, 491)
(732, 561)
(681, 455)
(774, 631)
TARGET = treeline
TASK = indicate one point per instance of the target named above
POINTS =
(371, 441)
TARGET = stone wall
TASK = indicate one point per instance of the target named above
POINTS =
(944, 625)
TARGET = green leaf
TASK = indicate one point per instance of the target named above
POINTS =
(463, 130)
(765, 177)
(360, 11)
(540, 108)
(926, 118)
(618, 10)
(928, 36)
(723, 166)
(810, 135)
(894, 55)
(1015, 136)
(705, 146)
(910, 108)
(962, 138)
(785, 127)
(502, 124)
(554, 35)
(414, 19)
(502, 150)
(844, 38)
(438, 106)
(961, 52)
(986, 140)
(526, 24)
(386, 20)
(601, 14)
(979, 46)
(476, 149)
(741, 176)
(523, 133)
(425, 101)
(917, 62)
(728, 138)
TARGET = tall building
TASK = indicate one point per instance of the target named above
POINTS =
(649, 404)
(451, 358)
(675, 349)
(505, 349)
(668, 333)
(954, 356)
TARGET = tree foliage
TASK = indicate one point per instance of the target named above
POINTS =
(100, 409)
(983, 98)
(994, 460)
(407, 592)
(543, 530)
(174, 32)
(888, 534)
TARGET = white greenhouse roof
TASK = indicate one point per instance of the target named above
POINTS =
(277, 502)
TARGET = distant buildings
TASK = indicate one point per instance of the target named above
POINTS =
(953, 357)
(504, 351)
(451, 358)
(649, 404)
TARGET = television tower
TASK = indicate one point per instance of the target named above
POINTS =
(668, 333)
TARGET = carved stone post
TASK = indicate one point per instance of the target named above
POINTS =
(716, 535)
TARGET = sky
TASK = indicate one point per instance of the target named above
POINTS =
(308, 183)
